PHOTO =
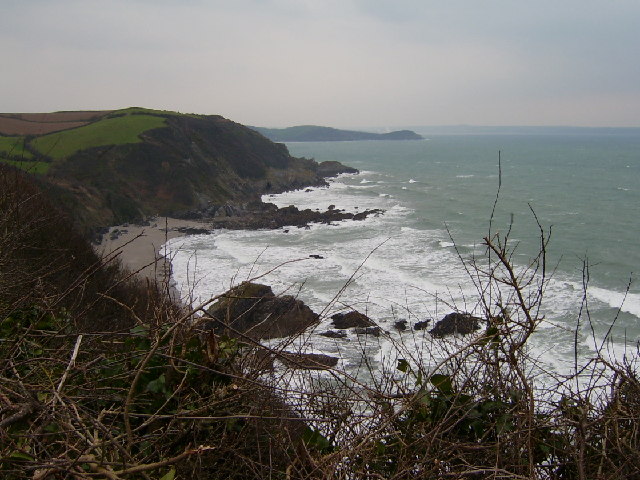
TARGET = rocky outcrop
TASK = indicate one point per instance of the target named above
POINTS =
(456, 323)
(421, 325)
(331, 168)
(400, 325)
(264, 360)
(252, 310)
(351, 319)
(266, 215)
(193, 230)
(334, 334)
(307, 361)
(374, 331)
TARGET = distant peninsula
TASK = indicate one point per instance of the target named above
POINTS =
(314, 133)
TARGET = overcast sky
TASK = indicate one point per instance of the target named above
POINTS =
(344, 63)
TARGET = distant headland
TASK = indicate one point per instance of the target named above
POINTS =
(314, 133)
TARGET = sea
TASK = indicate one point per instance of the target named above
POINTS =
(442, 196)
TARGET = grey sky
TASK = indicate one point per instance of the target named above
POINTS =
(330, 62)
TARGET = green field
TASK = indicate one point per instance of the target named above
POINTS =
(31, 167)
(110, 131)
(14, 146)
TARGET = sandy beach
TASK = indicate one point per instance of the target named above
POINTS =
(138, 246)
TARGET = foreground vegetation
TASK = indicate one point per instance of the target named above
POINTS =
(102, 376)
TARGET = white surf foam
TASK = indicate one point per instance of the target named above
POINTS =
(388, 269)
(627, 302)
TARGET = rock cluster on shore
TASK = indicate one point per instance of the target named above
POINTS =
(253, 311)
(260, 215)
(456, 323)
(351, 319)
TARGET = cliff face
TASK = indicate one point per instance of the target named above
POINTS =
(188, 163)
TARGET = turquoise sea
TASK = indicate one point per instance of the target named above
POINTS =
(438, 195)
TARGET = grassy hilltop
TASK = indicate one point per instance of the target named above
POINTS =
(114, 166)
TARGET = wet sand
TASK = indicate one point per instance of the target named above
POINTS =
(138, 246)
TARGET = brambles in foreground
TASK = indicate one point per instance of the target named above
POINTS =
(124, 405)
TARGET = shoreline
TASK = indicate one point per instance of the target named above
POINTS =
(137, 247)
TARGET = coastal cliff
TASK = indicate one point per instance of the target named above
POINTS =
(120, 166)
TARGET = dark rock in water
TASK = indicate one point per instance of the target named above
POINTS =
(193, 231)
(316, 256)
(333, 169)
(334, 334)
(375, 331)
(351, 319)
(421, 325)
(258, 215)
(253, 310)
(462, 323)
(308, 361)
(400, 325)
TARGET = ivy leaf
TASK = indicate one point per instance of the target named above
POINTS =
(18, 455)
(157, 385)
(403, 365)
(315, 439)
(142, 330)
(442, 383)
(490, 335)
(170, 475)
